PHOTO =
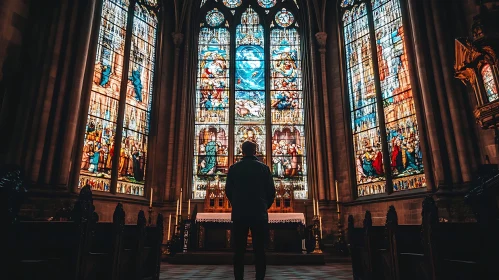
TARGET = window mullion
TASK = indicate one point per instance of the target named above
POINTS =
(123, 90)
(379, 100)
(268, 111)
(232, 94)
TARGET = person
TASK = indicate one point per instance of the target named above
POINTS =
(251, 191)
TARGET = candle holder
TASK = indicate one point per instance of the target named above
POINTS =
(340, 245)
(317, 249)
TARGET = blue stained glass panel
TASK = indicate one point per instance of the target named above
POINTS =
(345, 3)
(267, 3)
(250, 56)
(214, 17)
(232, 3)
(250, 68)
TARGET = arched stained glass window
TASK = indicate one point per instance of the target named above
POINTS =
(489, 83)
(263, 99)
(400, 144)
(116, 158)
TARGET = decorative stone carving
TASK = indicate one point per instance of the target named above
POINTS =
(178, 38)
(321, 38)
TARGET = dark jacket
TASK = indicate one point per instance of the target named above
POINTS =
(250, 189)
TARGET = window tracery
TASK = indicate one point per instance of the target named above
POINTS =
(263, 83)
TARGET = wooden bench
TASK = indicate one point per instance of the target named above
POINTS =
(366, 247)
(84, 248)
(433, 250)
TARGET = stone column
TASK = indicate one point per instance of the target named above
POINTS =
(178, 39)
(329, 191)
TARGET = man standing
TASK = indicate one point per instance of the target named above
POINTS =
(251, 191)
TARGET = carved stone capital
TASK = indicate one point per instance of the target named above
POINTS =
(321, 38)
(178, 38)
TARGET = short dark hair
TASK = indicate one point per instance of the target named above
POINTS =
(249, 148)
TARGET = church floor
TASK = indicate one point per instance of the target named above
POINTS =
(336, 271)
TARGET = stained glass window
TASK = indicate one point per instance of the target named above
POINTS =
(233, 3)
(214, 18)
(284, 18)
(267, 3)
(258, 98)
(100, 142)
(489, 83)
(399, 114)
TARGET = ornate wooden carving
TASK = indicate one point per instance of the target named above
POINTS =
(471, 54)
(284, 200)
(216, 200)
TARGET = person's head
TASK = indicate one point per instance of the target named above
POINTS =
(249, 148)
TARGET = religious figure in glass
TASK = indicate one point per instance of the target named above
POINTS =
(399, 113)
(249, 113)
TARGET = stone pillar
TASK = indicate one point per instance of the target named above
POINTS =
(170, 194)
(329, 191)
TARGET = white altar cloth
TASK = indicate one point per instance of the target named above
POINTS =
(274, 218)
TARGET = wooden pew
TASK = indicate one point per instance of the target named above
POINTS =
(404, 257)
(104, 246)
(355, 239)
(53, 249)
(366, 247)
(452, 250)
(140, 257)
(84, 248)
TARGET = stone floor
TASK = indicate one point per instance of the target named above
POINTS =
(336, 271)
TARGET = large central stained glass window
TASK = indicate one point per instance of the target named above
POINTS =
(383, 115)
(249, 88)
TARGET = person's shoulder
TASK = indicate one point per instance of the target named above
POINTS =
(235, 165)
(262, 165)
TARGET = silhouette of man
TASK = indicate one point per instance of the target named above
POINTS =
(251, 191)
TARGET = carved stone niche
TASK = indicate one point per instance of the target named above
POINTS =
(476, 65)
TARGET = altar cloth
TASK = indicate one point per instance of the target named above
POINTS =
(274, 218)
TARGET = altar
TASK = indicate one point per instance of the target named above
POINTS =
(286, 232)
